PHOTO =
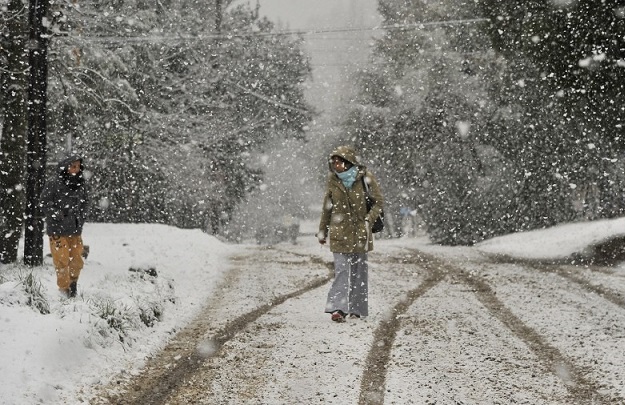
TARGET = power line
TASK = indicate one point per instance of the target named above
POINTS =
(418, 25)
(201, 37)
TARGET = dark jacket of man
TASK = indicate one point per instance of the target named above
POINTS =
(64, 200)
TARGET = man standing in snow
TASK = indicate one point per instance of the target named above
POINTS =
(346, 221)
(64, 201)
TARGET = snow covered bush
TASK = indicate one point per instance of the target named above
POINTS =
(118, 315)
(20, 286)
(34, 293)
(119, 318)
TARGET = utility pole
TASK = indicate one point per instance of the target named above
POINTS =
(14, 129)
(218, 17)
(36, 139)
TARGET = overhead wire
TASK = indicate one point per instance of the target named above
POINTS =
(303, 33)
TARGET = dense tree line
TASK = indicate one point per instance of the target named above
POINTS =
(572, 54)
(489, 117)
(167, 100)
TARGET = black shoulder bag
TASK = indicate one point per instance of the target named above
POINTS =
(378, 225)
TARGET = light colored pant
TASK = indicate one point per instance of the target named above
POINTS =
(350, 289)
(67, 257)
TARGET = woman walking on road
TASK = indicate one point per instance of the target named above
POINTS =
(347, 223)
(64, 201)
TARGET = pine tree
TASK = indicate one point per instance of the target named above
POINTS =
(569, 58)
(421, 110)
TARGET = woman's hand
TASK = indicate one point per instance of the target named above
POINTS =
(321, 238)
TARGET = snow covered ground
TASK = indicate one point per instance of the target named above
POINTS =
(124, 313)
(46, 358)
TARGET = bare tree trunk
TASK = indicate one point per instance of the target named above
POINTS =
(13, 142)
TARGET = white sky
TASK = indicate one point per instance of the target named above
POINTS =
(330, 51)
(317, 14)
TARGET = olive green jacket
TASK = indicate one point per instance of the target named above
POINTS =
(344, 216)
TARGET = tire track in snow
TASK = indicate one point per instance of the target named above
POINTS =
(581, 390)
(160, 380)
(566, 272)
(563, 271)
(372, 386)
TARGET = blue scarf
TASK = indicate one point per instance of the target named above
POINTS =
(348, 177)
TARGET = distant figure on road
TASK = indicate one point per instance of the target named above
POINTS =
(291, 227)
(64, 200)
(345, 220)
